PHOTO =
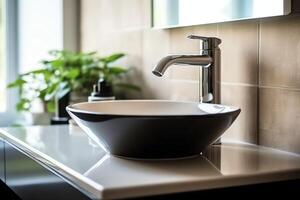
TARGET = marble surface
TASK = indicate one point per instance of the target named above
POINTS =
(69, 152)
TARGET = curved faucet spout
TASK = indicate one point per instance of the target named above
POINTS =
(164, 63)
(209, 58)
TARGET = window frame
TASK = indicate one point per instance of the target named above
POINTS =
(11, 59)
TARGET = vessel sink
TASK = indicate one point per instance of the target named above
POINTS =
(153, 129)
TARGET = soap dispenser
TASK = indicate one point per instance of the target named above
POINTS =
(102, 91)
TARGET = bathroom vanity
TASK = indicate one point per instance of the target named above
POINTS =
(60, 162)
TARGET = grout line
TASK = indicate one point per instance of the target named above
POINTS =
(280, 87)
(259, 51)
(258, 81)
(238, 84)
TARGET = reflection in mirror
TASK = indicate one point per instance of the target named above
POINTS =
(176, 13)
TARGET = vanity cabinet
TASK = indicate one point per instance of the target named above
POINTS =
(30, 180)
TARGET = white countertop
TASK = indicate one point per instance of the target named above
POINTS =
(69, 152)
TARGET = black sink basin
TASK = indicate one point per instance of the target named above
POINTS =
(153, 129)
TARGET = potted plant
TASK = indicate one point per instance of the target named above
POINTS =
(67, 73)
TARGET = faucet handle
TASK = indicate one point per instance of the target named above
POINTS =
(207, 42)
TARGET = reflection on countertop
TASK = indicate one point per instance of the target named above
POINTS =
(67, 150)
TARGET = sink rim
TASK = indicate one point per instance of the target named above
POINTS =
(230, 109)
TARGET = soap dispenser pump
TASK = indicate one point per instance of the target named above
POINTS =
(102, 91)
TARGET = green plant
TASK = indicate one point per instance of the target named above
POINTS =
(67, 72)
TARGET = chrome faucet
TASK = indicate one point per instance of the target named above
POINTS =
(209, 61)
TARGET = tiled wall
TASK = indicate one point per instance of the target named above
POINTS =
(279, 83)
(260, 64)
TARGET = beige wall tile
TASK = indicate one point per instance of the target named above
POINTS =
(279, 121)
(130, 14)
(245, 126)
(110, 27)
(116, 14)
(184, 90)
(184, 72)
(104, 22)
(279, 51)
(93, 25)
(155, 46)
(239, 51)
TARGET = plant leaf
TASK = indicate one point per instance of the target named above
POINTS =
(72, 73)
(23, 105)
(67, 71)
(38, 71)
(117, 70)
(112, 58)
(51, 91)
(18, 82)
(91, 53)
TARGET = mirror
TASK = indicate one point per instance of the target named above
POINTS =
(177, 13)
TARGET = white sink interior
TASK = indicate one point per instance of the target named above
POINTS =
(150, 108)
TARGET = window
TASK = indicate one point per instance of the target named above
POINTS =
(39, 30)
(2, 60)
(28, 30)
